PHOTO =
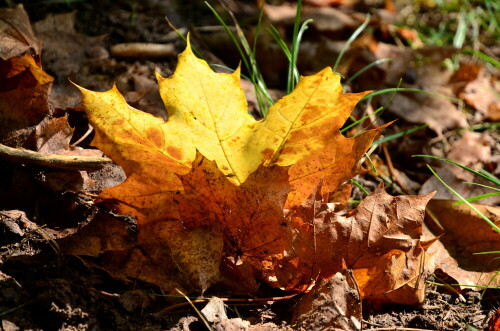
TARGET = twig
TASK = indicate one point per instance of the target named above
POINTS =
(202, 317)
(142, 50)
(82, 138)
(393, 171)
(14, 309)
(65, 162)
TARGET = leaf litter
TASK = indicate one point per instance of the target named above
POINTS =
(181, 220)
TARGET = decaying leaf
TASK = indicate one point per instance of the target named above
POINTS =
(420, 69)
(479, 89)
(471, 150)
(379, 241)
(24, 98)
(53, 135)
(16, 36)
(209, 188)
(464, 233)
(332, 304)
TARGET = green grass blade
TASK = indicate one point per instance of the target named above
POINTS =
(485, 126)
(491, 252)
(486, 219)
(482, 56)
(200, 314)
(350, 40)
(367, 67)
(361, 120)
(231, 35)
(380, 110)
(459, 38)
(280, 41)
(398, 135)
(477, 197)
(181, 35)
(491, 178)
(263, 98)
(374, 168)
(360, 186)
(478, 286)
(384, 107)
(466, 285)
(257, 29)
(296, 75)
(248, 57)
(294, 49)
(487, 186)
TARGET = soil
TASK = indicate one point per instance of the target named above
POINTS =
(41, 289)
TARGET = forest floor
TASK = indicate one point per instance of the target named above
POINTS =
(41, 289)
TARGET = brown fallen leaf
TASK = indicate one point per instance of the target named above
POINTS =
(324, 18)
(24, 98)
(380, 241)
(16, 35)
(332, 304)
(418, 69)
(483, 94)
(464, 233)
(15, 225)
(437, 110)
(53, 135)
(473, 150)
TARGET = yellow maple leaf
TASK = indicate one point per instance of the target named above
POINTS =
(208, 113)
(210, 184)
(212, 108)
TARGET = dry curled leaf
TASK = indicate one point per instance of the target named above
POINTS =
(463, 234)
(24, 98)
(380, 241)
(16, 35)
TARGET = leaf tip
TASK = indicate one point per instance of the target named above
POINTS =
(189, 49)
(159, 77)
(237, 73)
(82, 89)
(428, 196)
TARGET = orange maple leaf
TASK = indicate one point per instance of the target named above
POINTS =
(209, 186)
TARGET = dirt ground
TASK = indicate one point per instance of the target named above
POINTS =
(41, 289)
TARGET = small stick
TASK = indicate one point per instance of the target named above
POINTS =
(393, 171)
(82, 138)
(65, 162)
(142, 50)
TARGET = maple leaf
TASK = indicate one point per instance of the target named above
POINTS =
(208, 113)
(379, 240)
(209, 186)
